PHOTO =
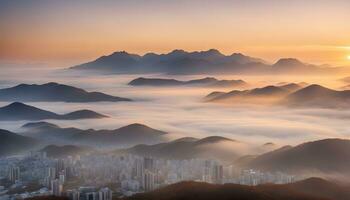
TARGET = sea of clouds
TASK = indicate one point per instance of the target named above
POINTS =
(181, 110)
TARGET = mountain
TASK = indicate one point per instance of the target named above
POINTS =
(293, 65)
(19, 111)
(185, 148)
(323, 156)
(126, 136)
(11, 143)
(55, 151)
(309, 189)
(268, 94)
(175, 62)
(318, 96)
(207, 82)
(53, 92)
(197, 62)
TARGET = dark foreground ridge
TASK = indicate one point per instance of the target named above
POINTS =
(309, 189)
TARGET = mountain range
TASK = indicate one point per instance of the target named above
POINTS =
(197, 62)
(53, 92)
(12, 143)
(126, 136)
(318, 96)
(20, 111)
(213, 147)
(205, 82)
(309, 189)
(291, 95)
(323, 156)
(268, 93)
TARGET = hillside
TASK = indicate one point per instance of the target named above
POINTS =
(20, 111)
(309, 189)
(323, 156)
(53, 92)
(11, 143)
(126, 136)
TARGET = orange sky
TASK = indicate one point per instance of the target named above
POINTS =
(69, 32)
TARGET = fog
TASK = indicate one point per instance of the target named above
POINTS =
(181, 110)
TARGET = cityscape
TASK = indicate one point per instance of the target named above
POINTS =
(174, 100)
(99, 177)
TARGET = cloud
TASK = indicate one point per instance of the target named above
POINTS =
(181, 112)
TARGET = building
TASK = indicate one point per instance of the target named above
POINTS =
(218, 174)
(56, 187)
(105, 194)
(73, 194)
(148, 164)
(130, 185)
(148, 181)
(14, 175)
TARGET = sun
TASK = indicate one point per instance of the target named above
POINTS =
(348, 57)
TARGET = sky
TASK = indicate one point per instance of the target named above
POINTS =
(61, 33)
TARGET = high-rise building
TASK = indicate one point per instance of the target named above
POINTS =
(14, 174)
(148, 181)
(60, 166)
(51, 172)
(148, 164)
(62, 178)
(73, 194)
(218, 174)
(56, 187)
(91, 196)
(105, 194)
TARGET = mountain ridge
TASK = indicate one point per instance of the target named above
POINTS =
(321, 156)
(53, 92)
(20, 111)
(12, 143)
(196, 62)
(128, 135)
(308, 189)
(208, 82)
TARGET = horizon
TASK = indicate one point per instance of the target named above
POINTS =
(73, 32)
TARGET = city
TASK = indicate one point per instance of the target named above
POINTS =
(100, 177)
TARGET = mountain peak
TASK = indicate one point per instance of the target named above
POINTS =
(51, 84)
(178, 51)
(315, 88)
(16, 104)
(288, 62)
(214, 139)
(139, 128)
(84, 114)
(39, 124)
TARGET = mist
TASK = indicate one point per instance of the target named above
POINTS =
(181, 112)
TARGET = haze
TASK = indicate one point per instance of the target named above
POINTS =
(181, 111)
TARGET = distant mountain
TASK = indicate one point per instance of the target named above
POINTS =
(53, 92)
(268, 93)
(293, 65)
(207, 82)
(55, 151)
(19, 111)
(318, 96)
(309, 189)
(11, 143)
(197, 62)
(323, 156)
(214, 147)
(126, 136)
